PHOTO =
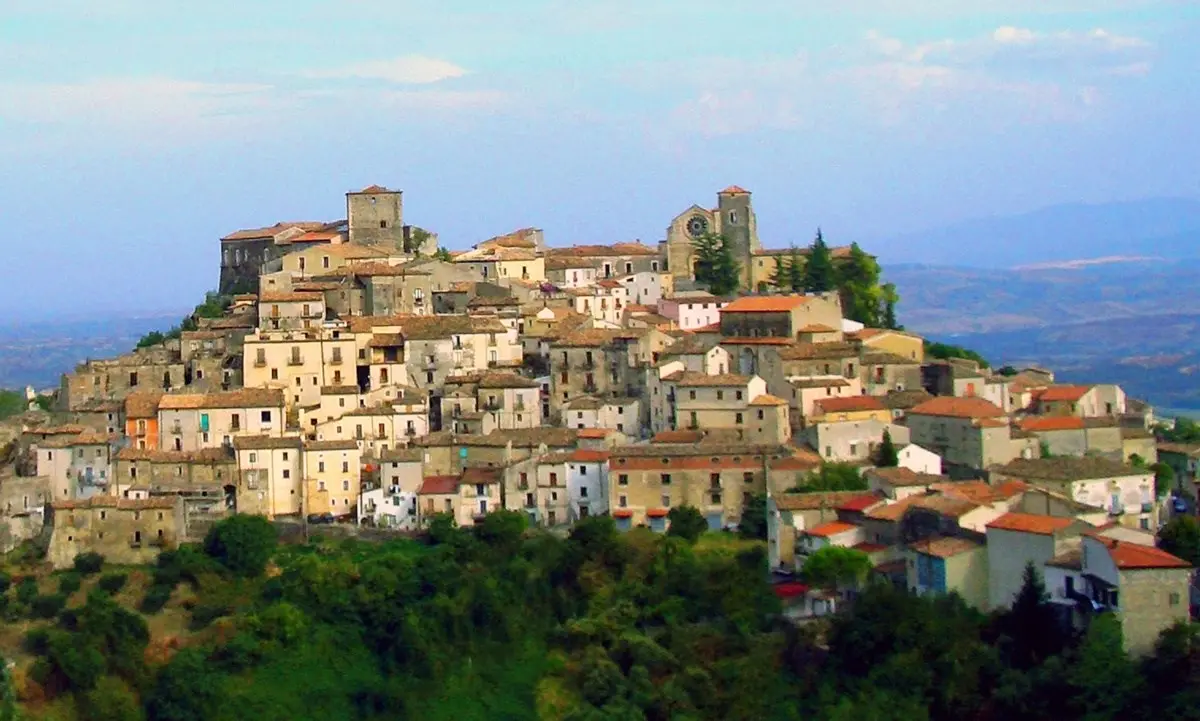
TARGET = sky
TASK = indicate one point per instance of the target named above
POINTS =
(135, 133)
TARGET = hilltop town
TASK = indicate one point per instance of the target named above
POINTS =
(354, 375)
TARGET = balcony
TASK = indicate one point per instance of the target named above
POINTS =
(296, 360)
(523, 485)
(519, 405)
(1147, 508)
(260, 362)
(589, 388)
(381, 436)
(493, 406)
(177, 428)
(410, 432)
(586, 364)
(336, 360)
(156, 542)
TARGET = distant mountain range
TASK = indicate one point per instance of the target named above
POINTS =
(1157, 228)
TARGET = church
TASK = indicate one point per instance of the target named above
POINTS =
(733, 218)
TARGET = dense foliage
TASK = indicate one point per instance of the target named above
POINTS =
(499, 622)
(716, 266)
(833, 477)
(945, 351)
(1185, 430)
(213, 306)
(856, 280)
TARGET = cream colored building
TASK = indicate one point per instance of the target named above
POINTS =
(300, 363)
(325, 259)
(378, 429)
(295, 310)
(271, 475)
(189, 422)
(1126, 492)
(332, 477)
(76, 466)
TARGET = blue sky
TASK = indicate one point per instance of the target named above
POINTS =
(134, 133)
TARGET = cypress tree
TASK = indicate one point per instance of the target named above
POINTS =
(795, 268)
(819, 275)
(887, 456)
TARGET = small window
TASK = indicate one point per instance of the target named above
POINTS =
(666, 479)
(623, 479)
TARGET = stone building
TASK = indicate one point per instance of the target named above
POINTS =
(188, 422)
(77, 466)
(300, 363)
(332, 477)
(245, 252)
(159, 368)
(270, 475)
(206, 479)
(733, 218)
(645, 482)
(124, 531)
(511, 401)
(786, 316)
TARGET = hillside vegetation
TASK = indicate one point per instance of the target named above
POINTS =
(500, 622)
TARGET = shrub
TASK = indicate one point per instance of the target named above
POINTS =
(156, 597)
(36, 641)
(27, 590)
(112, 583)
(111, 700)
(204, 614)
(69, 583)
(47, 606)
(243, 544)
(89, 563)
(5, 582)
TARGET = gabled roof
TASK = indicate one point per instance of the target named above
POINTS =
(265, 443)
(438, 485)
(814, 501)
(766, 304)
(1067, 468)
(860, 504)
(1045, 424)
(372, 190)
(954, 407)
(243, 398)
(1063, 393)
(1030, 523)
(691, 379)
(905, 477)
(734, 190)
(766, 399)
(142, 405)
(1132, 556)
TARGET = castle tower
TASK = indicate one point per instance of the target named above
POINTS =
(736, 221)
(375, 216)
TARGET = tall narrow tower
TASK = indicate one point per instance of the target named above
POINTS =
(375, 216)
(735, 221)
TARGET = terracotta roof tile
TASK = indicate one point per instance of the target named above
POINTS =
(831, 529)
(953, 407)
(691, 379)
(1067, 468)
(265, 443)
(293, 297)
(320, 446)
(242, 398)
(766, 399)
(814, 501)
(1063, 393)
(438, 485)
(734, 190)
(1128, 555)
(850, 404)
(1045, 424)
(1030, 523)
(861, 503)
(905, 477)
(142, 405)
(766, 304)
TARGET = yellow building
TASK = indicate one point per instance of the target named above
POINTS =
(332, 477)
(271, 475)
(850, 409)
(944, 565)
(896, 342)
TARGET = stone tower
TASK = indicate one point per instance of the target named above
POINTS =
(375, 216)
(738, 225)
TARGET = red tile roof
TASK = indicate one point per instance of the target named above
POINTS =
(681, 436)
(850, 404)
(1030, 523)
(1063, 393)
(584, 455)
(734, 190)
(766, 399)
(766, 304)
(622, 513)
(953, 407)
(439, 485)
(594, 432)
(658, 513)
(870, 547)
(859, 504)
(944, 547)
(831, 529)
(1132, 555)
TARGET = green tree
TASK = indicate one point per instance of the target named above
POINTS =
(819, 274)
(111, 700)
(753, 524)
(243, 544)
(781, 276)
(686, 523)
(8, 696)
(443, 254)
(1105, 681)
(1184, 430)
(1030, 627)
(1044, 449)
(836, 567)
(187, 689)
(1164, 478)
(945, 351)
(834, 477)
(715, 264)
(890, 299)
(858, 281)
(1181, 537)
(795, 268)
(887, 456)
(1172, 673)
(706, 247)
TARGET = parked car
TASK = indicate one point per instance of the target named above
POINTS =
(320, 518)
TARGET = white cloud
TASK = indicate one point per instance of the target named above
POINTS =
(407, 70)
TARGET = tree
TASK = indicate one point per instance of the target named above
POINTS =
(754, 518)
(945, 351)
(243, 544)
(833, 477)
(858, 281)
(1104, 679)
(1044, 449)
(1007, 371)
(890, 299)
(834, 567)
(781, 276)
(686, 523)
(1164, 478)
(1185, 430)
(716, 265)
(795, 267)
(111, 700)
(1031, 626)
(187, 689)
(887, 456)
(443, 254)
(819, 273)
(1181, 537)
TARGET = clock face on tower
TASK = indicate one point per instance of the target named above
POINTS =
(697, 226)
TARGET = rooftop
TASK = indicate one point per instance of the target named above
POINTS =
(1067, 468)
(850, 404)
(766, 304)
(1030, 523)
(944, 547)
(1132, 556)
(904, 477)
(953, 407)
(831, 529)
(1063, 393)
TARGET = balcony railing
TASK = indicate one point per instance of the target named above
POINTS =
(493, 406)
(519, 405)
(335, 360)
(410, 432)
(589, 388)
(177, 428)
(296, 360)
(260, 362)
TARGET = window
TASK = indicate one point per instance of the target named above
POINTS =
(720, 395)
(761, 415)
(320, 466)
(666, 479)
(583, 492)
(253, 457)
(286, 474)
(692, 395)
(748, 477)
(623, 479)
(266, 416)
(629, 267)
(739, 395)
(622, 501)
(733, 216)
(320, 485)
(666, 500)
(737, 418)
(1173, 600)
(345, 485)
(714, 480)
(345, 466)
